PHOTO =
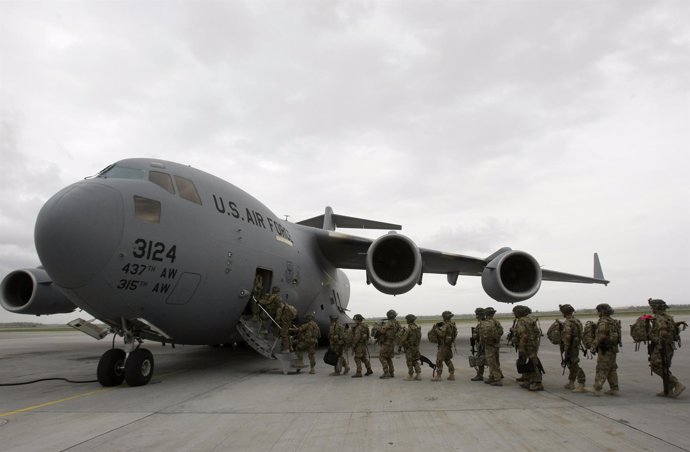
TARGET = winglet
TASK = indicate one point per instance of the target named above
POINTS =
(598, 272)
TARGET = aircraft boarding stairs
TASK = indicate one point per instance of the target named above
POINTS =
(266, 342)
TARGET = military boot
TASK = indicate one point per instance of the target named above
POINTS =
(570, 385)
(334, 373)
(613, 392)
(385, 375)
(594, 390)
(477, 378)
(496, 383)
(357, 374)
(347, 369)
(408, 378)
(580, 388)
(369, 371)
(678, 388)
(536, 386)
(451, 377)
(311, 370)
(488, 381)
(436, 377)
(418, 377)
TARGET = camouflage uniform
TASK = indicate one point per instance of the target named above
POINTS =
(360, 339)
(336, 342)
(410, 337)
(308, 335)
(271, 303)
(447, 331)
(387, 335)
(284, 317)
(256, 296)
(662, 337)
(527, 336)
(490, 332)
(479, 314)
(571, 337)
(606, 345)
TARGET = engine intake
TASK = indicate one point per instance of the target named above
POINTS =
(394, 264)
(512, 276)
(31, 291)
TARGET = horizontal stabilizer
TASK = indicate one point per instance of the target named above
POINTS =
(330, 221)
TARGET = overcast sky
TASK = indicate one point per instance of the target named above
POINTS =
(559, 128)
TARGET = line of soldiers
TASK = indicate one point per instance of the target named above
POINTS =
(524, 335)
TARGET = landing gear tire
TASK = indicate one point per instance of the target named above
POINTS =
(139, 367)
(111, 367)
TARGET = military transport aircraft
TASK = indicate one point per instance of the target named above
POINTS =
(161, 251)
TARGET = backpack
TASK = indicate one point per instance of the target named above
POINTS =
(555, 332)
(640, 330)
(589, 333)
(615, 332)
(432, 335)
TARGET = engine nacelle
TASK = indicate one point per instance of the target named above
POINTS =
(31, 291)
(512, 276)
(394, 264)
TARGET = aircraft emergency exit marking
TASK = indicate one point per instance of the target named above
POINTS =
(250, 216)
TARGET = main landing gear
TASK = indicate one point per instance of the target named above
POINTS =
(135, 366)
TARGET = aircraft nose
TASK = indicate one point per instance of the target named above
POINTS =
(77, 231)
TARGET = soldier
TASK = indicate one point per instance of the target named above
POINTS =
(256, 296)
(271, 303)
(606, 344)
(308, 335)
(360, 339)
(475, 342)
(409, 338)
(336, 342)
(662, 336)
(527, 335)
(387, 334)
(571, 337)
(285, 314)
(490, 333)
(446, 332)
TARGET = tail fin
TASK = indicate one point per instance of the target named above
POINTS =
(598, 272)
(329, 221)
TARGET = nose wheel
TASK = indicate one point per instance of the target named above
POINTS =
(115, 366)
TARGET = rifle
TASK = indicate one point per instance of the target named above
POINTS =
(473, 342)
(511, 335)
(665, 371)
(427, 361)
(565, 359)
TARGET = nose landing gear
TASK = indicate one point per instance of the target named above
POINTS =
(134, 366)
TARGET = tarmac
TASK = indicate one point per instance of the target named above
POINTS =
(217, 399)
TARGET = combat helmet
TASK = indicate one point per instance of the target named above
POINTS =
(605, 308)
(275, 289)
(410, 318)
(310, 316)
(358, 317)
(479, 312)
(391, 314)
(489, 311)
(566, 308)
(521, 310)
(657, 304)
(334, 316)
(446, 315)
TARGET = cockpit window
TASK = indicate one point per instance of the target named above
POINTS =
(146, 209)
(121, 172)
(187, 189)
(162, 179)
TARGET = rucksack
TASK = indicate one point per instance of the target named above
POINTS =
(589, 333)
(640, 330)
(432, 335)
(555, 332)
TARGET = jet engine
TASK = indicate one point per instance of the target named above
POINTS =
(394, 264)
(31, 291)
(512, 276)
